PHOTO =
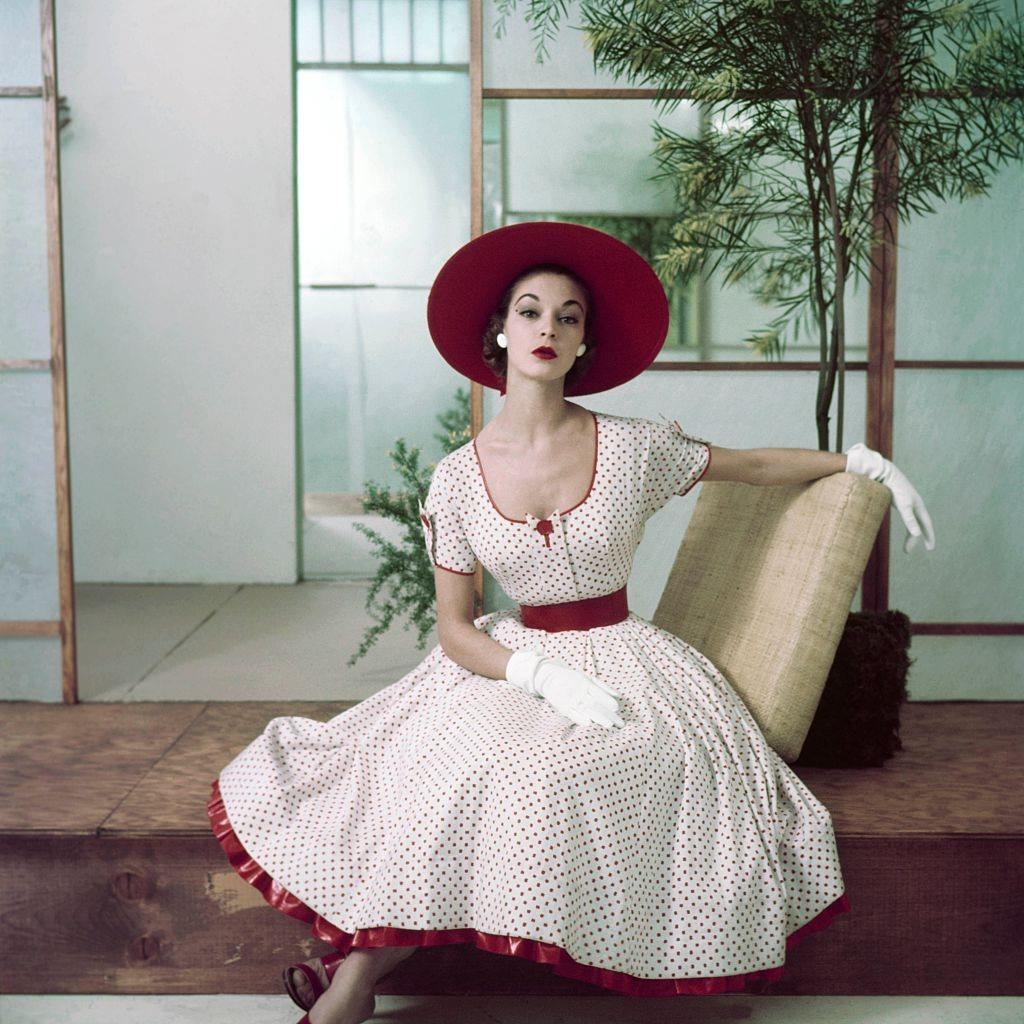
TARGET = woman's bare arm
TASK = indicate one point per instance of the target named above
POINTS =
(773, 465)
(466, 645)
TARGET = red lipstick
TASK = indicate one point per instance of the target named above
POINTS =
(544, 352)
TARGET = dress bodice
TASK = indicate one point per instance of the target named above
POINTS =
(582, 552)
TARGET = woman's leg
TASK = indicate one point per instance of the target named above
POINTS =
(349, 1000)
(373, 962)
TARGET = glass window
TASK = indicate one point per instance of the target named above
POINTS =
(384, 199)
(592, 161)
(383, 31)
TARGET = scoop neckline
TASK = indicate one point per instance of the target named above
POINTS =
(593, 477)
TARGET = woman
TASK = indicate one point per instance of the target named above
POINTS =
(561, 781)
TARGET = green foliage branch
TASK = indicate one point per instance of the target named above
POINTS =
(404, 571)
(781, 190)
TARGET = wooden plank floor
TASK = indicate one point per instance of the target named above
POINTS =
(145, 768)
(113, 881)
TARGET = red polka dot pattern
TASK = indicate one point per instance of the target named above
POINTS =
(679, 847)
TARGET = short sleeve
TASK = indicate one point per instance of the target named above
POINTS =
(446, 541)
(675, 462)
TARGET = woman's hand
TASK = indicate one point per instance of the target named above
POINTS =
(869, 463)
(581, 698)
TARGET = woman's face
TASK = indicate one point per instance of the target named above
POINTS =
(547, 311)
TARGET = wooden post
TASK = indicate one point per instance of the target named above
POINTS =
(476, 189)
(58, 375)
(882, 313)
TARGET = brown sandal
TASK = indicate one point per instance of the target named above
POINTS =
(330, 963)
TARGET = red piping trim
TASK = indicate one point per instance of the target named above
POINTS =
(507, 945)
(458, 572)
(593, 476)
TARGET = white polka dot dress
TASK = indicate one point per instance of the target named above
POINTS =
(677, 855)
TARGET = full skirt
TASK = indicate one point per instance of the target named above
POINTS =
(677, 855)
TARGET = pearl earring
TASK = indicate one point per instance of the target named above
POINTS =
(502, 340)
(581, 350)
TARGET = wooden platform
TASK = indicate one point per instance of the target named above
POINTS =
(113, 882)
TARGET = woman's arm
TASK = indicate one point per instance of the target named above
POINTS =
(581, 698)
(773, 465)
(799, 465)
(466, 645)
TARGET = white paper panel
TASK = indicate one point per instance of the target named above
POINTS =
(958, 281)
(966, 668)
(307, 28)
(455, 32)
(383, 174)
(956, 435)
(20, 43)
(370, 374)
(511, 62)
(426, 33)
(28, 515)
(24, 295)
(30, 668)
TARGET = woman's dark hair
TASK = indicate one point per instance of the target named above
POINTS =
(496, 357)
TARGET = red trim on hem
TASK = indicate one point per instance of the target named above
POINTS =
(507, 945)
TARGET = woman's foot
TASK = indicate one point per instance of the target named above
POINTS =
(349, 1000)
(301, 983)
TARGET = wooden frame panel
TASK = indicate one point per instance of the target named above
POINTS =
(65, 626)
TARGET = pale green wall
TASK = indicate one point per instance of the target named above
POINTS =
(178, 219)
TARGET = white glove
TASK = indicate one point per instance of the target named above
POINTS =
(581, 698)
(869, 463)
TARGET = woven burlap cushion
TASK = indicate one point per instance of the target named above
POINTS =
(763, 583)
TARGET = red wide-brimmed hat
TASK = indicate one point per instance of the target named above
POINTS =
(631, 308)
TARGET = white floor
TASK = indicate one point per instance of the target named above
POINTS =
(515, 1010)
(229, 642)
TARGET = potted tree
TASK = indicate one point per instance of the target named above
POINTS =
(804, 99)
(799, 96)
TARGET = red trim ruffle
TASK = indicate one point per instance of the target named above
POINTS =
(507, 945)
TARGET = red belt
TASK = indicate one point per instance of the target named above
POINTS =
(591, 611)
